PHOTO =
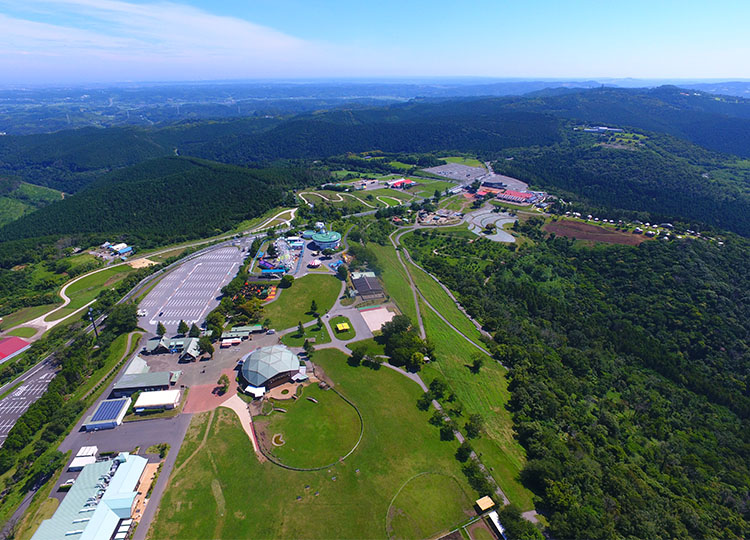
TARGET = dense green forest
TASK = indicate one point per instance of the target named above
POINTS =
(666, 177)
(164, 200)
(629, 380)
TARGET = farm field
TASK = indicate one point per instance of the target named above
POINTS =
(469, 162)
(293, 304)
(310, 434)
(593, 233)
(85, 290)
(346, 335)
(293, 339)
(352, 499)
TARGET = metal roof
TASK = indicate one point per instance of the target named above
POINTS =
(109, 409)
(143, 380)
(267, 362)
(326, 237)
(366, 285)
(137, 365)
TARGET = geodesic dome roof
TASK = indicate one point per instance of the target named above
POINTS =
(267, 362)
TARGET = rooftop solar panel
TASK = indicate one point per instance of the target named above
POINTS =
(108, 410)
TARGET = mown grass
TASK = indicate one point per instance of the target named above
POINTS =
(293, 339)
(224, 492)
(314, 434)
(22, 332)
(292, 305)
(395, 279)
(88, 288)
(462, 160)
(485, 393)
(371, 346)
(26, 314)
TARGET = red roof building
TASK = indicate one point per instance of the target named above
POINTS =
(11, 346)
(516, 196)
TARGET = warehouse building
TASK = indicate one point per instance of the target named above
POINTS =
(108, 414)
(141, 382)
(368, 287)
(101, 502)
(161, 399)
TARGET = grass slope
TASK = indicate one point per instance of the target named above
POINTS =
(224, 492)
(88, 288)
(395, 279)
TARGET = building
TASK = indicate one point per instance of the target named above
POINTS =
(307, 235)
(485, 503)
(326, 239)
(137, 365)
(108, 414)
(141, 382)
(121, 249)
(521, 197)
(368, 287)
(12, 346)
(357, 275)
(401, 183)
(161, 399)
(187, 347)
(268, 367)
(157, 345)
(100, 503)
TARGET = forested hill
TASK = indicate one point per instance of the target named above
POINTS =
(164, 200)
(719, 123)
(628, 380)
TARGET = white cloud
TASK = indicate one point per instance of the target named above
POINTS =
(116, 40)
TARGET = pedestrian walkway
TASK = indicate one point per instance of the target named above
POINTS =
(240, 408)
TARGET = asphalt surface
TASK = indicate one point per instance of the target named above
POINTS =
(479, 219)
(35, 382)
(192, 290)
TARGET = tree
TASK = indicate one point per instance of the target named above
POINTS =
(424, 401)
(446, 433)
(160, 329)
(300, 329)
(314, 307)
(464, 452)
(342, 272)
(272, 251)
(309, 348)
(286, 281)
(415, 361)
(123, 318)
(328, 252)
(205, 346)
(476, 364)
(473, 426)
(182, 328)
(438, 388)
(358, 353)
(437, 418)
(194, 331)
(437, 195)
(320, 322)
(266, 323)
(223, 384)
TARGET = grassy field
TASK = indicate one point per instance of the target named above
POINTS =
(42, 507)
(345, 335)
(116, 352)
(86, 289)
(371, 346)
(293, 339)
(426, 188)
(26, 314)
(23, 332)
(313, 434)
(352, 499)
(485, 393)
(12, 209)
(293, 304)
(252, 223)
(469, 162)
(395, 279)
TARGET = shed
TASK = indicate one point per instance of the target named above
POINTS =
(161, 399)
(368, 287)
(484, 504)
(80, 462)
(87, 451)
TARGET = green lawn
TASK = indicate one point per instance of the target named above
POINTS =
(88, 288)
(224, 492)
(39, 193)
(293, 304)
(293, 339)
(25, 314)
(461, 160)
(395, 280)
(347, 334)
(23, 332)
(485, 393)
(313, 434)
(371, 346)
(12, 209)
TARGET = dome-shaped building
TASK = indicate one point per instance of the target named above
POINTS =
(327, 240)
(269, 366)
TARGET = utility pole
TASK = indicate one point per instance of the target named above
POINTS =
(93, 322)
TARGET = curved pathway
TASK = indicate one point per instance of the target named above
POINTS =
(338, 199)
(414, 289)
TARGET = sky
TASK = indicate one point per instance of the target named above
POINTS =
(96, 41)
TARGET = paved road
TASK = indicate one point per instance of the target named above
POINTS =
(191, 291)
(34, 384)
(479, 219)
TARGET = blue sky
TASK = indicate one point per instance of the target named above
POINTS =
(66, 41)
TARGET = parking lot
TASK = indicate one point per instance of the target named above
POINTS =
(34, 384)
(191, 291)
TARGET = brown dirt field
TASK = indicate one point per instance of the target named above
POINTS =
(585, 231)
(141, 263)
(480, 525)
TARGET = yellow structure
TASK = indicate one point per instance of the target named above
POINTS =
(484, 504)
(342, 327)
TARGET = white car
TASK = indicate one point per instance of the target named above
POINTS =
(270, 332)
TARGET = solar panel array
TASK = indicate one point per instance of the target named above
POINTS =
(108, 410)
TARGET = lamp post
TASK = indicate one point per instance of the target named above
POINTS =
(93, 322)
